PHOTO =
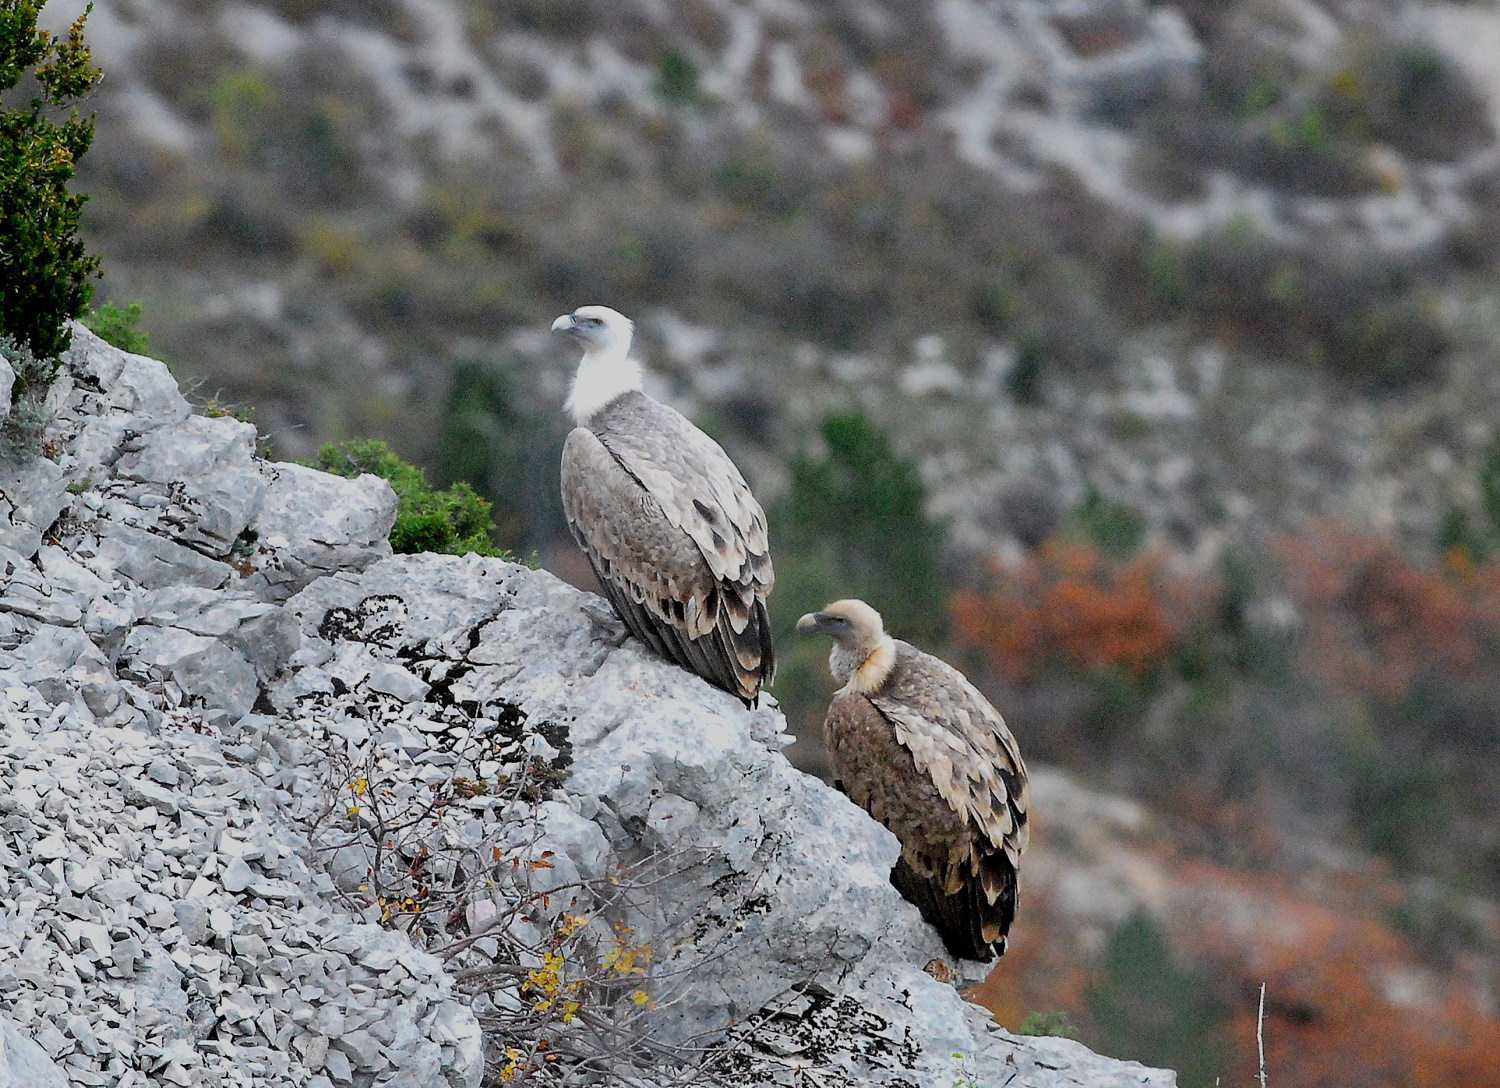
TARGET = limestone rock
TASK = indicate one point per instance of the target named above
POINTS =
(153, 562)
(31, 496)
(24, 1064)
(311, 524)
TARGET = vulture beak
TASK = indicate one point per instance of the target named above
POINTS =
(813, 621)
(565, 325)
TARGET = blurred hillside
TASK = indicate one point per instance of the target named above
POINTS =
(1144, 357)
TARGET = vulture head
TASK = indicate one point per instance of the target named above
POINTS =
(598, 330)
(863, 653)
(606, 370)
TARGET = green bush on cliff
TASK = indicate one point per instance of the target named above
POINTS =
(454, 522)
(117, 326)
(44, 265)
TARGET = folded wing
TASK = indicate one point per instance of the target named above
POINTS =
(945, 775)
(676, 538)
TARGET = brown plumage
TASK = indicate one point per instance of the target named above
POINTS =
(667, 522)
(916, 746)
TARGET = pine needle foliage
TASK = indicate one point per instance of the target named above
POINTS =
(44, 265)
(453, 522)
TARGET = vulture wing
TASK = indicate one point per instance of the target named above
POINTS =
(941, 770)
(676, 538)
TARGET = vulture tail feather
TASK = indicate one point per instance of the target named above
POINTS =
(971, 927)
(640, 621)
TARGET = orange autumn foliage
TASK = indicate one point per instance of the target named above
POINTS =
(1325, 954)
(1074, 605)
(1376, 621)
(1328, 967)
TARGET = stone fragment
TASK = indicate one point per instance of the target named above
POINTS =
(209, 513)
(311, 524)
(336, 1064)
(195, 446)
(32, 494)
(163, 773)
(236, 876)
(134, 385)
(204, 667)
(362, 1048)
(313, 1048)
(142, 792)
(392, 679)
(153, 561)
(24, 1063)
(125, 953)
(61, 663)
(51, 848)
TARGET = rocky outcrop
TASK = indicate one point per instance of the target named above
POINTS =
(235, 728)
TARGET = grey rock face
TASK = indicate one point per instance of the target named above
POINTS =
(189, 890)
(24, 1064)
(31, 497)
(312, 524)
(153, 562)
(7, 383)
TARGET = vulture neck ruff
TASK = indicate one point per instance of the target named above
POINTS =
(862, 670)
(602, 378)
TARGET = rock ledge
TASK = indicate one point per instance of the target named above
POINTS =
(220, 694)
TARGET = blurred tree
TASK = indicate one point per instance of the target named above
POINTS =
(677, 78)
(1146, 1008)
(1024, 380)
(866, 504)
(852, 524)
(1113, 527)
(508, 455)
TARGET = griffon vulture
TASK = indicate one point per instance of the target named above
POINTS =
(666, 520)
(918, 748)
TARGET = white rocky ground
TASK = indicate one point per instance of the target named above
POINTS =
(280, 808)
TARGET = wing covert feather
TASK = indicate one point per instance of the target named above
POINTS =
(658, 577)
(698, 487)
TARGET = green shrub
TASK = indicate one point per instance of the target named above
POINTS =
(1398, 803)
(1024, 380)
(1459, 534)
(677, 78)
(454, 522)
(44, 266)
(1046, 1023)
(1113, 527)
(118, 327)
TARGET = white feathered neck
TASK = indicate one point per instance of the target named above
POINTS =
(602, 376)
